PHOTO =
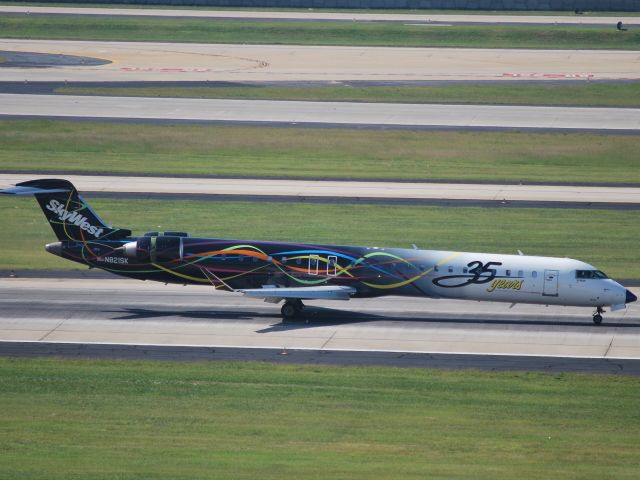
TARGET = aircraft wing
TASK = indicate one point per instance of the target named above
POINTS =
(325, 292)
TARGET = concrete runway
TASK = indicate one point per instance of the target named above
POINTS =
(338, 189)
(130, 312)
(568, 19)
(269, 112)
(147, 61)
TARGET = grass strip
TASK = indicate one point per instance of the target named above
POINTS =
(607, 239)
(312, 33)
(40, 145)
(584, 94)
(97, 419)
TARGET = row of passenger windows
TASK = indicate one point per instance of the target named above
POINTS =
(581, 274)
(507, 272)
(242, 258)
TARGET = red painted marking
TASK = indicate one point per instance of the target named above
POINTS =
(165, 69)
(586, 76)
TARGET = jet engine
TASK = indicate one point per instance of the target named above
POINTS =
(154, 249)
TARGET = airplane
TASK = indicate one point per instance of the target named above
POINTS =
(292, 273)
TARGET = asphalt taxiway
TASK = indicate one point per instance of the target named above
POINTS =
(356, 191)
(128, 314)
(322, 357)
(323, 16)
(268, 112)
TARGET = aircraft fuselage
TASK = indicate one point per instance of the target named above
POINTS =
(371, 271)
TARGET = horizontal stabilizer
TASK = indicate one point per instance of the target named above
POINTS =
(18, 190)
(326, 292)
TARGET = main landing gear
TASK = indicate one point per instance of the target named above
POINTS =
(291, 309)
(597, 316)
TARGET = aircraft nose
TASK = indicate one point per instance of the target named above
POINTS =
(630, 297)
(55, 248)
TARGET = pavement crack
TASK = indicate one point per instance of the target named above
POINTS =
(328, 340)
(41, 339)
(609, 347)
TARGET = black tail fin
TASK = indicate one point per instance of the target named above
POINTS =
(69, 215)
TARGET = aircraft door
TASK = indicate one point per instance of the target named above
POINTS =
(314, 262)
(550, 288)
(332, 265)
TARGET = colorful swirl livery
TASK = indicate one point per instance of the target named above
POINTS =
(291, 272)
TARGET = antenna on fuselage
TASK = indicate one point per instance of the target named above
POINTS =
(520, 252)
(414, 246)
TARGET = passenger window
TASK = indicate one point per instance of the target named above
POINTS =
(520, 273)
(298, 261)
(534, 274)
(450, 269)
(465, 270)
(284, 260)
(224, 256)
(435, 269)
(508, 273)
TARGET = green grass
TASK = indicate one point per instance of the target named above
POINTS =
(307, 33)
(40, 145)
(90, 419)
(605, 238)
(590, 94)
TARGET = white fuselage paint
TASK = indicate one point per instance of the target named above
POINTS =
(518, 279)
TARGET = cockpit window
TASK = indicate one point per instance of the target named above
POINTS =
(587, 274)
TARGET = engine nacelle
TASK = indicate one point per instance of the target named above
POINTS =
(155, 249)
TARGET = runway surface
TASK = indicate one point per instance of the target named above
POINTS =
(322, 113)
(129, 312)
(303, 189)
(147, 61)
(568, 19)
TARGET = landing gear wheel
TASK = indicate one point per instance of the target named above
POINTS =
(597, 317)
(291, 309)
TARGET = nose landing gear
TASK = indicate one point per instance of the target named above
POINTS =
(291, 309)
(597, 316)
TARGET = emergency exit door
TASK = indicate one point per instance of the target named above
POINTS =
(550, 283)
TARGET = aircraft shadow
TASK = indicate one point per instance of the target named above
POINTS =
(322, 317)
(314, 317)
(146, 314)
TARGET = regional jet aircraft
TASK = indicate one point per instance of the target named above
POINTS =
(291, 272)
